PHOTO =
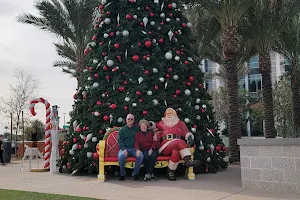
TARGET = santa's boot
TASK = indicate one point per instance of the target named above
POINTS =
(190, 163)
(171, 175)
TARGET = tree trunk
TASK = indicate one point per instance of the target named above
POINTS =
(230, 48)
(265, 70)
(296, 103)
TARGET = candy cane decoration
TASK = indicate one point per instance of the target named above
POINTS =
(47, 129)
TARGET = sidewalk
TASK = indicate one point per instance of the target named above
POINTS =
(222, 185)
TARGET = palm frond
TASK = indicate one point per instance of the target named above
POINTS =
(66, 50)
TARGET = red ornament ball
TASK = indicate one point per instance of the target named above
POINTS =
(145, 112)
(78, 130)
(167, 75)
(65, 143)
(128, 16)
(160, 41)
(95, 155)
(121, 88)
(183, 25)
(90, 68)
(218, 148)
(106, 118)
(177, 92)
(100, 43)
(117, 45)
(79, 146)
(96, 75)
(94, 37)
(138, 93)
(170, 69)
(151, 14)
(74, 140)
(156, 87)
(68, 165)
(223, 148)
(108, 12)
(141, 100)
(100, 131)
(191, 78)
(125, 107)
(170, 6)
(99, 102)
(135, 57)
(146, 72)
(148, 44)
(175, 96)
(62, 152)
(186, 62)
(105, 68)
(111, 34)
(206, 170)
(113, 106)
(188, 84)
(101, 7)
(75, 96)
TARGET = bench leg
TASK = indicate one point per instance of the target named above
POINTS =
(101, 175)
(189, 173)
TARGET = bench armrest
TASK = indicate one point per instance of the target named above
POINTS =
(101, 150)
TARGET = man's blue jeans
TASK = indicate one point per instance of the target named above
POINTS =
(122, 161)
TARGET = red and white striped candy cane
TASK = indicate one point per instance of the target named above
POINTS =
(47, 129)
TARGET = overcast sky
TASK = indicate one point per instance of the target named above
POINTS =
(26, 47)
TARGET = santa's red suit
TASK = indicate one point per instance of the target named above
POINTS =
(172, 141)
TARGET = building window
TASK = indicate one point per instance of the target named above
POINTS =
(254, 83)
(242, 83)
(208, 66)
(253, 64)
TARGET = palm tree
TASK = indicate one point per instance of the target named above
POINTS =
(226, 16)
(262, 27)
(289, 46)
(69, 20)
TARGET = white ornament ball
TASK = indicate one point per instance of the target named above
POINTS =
(148, 58)
(162, 15)
(174, 5)
(107, 20)
(197, 107)
(89, 154)
(134, 104)
(204, 106)
(71, 152)
(134, 16)
(177, 58)
(103, 95)
(149, 93)
(87, 87)
(104, 1)
(201, 147)
(198, 117)
(95, 61)
(86, 145)
(105, 35)
(208, 159)
(168, 55)
(94, 139)
(189, 24)
(152, 23)
(120, 119)
(125, 33)
(161, 79)
(110, 63)
(155, 70)
(93, 44)
(127, 99)
(83, 93)
(96, 113)
(85, 70)
(64, 166)
(168, 19)
(178, 19)
(90, 78)
(118, 33)
(175, 77)
(187, 120)
(198, 100)
(95, 85)
(194, 130)
(187, 92)
(155, 102)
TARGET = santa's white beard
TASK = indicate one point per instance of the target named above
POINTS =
(170, 121)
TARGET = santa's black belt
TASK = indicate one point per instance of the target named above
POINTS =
(170, 137)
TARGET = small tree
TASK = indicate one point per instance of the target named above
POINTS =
(283, 108)
(20, 93)
(36, 126)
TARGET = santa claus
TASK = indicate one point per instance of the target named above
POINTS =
(172, 137)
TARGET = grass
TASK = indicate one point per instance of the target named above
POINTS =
(23, 195)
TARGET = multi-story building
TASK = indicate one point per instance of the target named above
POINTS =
(251, 82)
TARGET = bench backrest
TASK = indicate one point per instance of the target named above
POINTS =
(111, 144)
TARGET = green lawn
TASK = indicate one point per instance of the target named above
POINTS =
(23, 195)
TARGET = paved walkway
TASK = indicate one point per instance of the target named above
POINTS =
(223, 185)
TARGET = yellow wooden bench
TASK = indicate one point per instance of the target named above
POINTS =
(108, 155)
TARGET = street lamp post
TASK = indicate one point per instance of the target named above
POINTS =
(64, 118)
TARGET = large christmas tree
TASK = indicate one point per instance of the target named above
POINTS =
(140, 61)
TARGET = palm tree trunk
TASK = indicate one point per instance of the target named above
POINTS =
(265, 70)
(230, 48)
(296, 103)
